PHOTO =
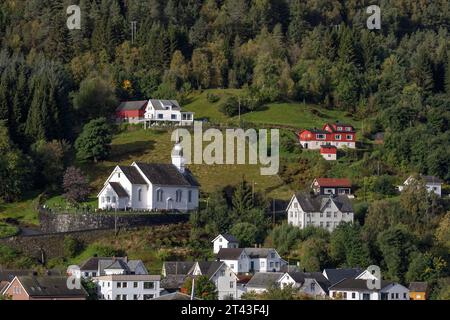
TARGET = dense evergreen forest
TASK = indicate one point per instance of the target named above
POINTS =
(55, 81)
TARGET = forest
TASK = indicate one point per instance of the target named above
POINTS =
(58, 85)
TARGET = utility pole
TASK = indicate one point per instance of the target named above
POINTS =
(192, 290)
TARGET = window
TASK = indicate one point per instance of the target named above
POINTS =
(159, 195)
(271, 264)
(392, 296)
(335, 214)
(338, 137)
(124, 285)
(173, 116)
(160, 116)
(118, 174)
(135, 296)
(118, 297)
(345, 295)
(108, 199)
(114, 199)
(148, 296)
(321, 214)
(135, 284)
(396, 296)
(321, 224)
(328, 224)
(320, 136)
(149, 285)
(119, 284)
(353, 295)
(231, 284)
(295, 205)
(272, 255)
(190, 196)
(349, 137)
(222, 273)
(328, 214)
(179, 195)
(94, 274)
(404, 295)
(124, 297)
(339, 128)
(232, 265)
(348, 129)
(140, 194)
(313, 287)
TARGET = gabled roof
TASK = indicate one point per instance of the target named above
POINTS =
(132, 105)
(9, 275)
(311, 203)
(264, 280)
(336, 275)
(166, 175)
(357, 285)
(432, 179)
(173, 282)
(209, 268)
(228, 237)
(315, 131)
(119, 190)
(99, 264)
(158, 104)
(130, 277)
(132, 174)
(334, 182)
(299, 277)
(49, 286)
(118, 265)
(229, 253)
(178, 267)
(418, 286)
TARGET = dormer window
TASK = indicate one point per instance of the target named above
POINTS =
(348, 129)
(339, 128)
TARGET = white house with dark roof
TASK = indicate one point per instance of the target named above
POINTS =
(224, 241)
(249, 260)
(221, 275)
(325, 211)
(151, 186)
(433, 184)
(336, 275)
(311, 283)
(261, 281)
(168, 111)
(359, 289)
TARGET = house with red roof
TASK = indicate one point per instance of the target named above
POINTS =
(328, 152)
(337, 186)
(337, 134)
(131, 111)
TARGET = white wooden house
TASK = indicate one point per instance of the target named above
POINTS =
(224, 241)
(166, 111)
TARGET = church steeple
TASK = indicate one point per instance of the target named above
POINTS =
(177, 157)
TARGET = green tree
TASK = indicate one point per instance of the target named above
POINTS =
(94, 142)
(246, 233)
(285, 237)
(203, 288)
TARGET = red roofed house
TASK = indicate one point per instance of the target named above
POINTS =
(329, 152)
(337, 134)
(337, 186)
(131, 111)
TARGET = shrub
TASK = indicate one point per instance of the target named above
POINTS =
(212, 98)
(72, 246)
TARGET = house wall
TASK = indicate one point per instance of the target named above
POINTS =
(329, 156)
(396, 292)
(225, 281)
(354, 295)
(238, 266)
(416, 295)
(221, 242)
(297, 217)
(170, 193)
(16, 291)
(108, 290)
(312, 288)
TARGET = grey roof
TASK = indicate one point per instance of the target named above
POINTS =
(209, 268)
(230, 238)
(118, 265)
(9, 275)
(130, 277)
(418, 286)
(166, 175)
(258, 252)
(229, 253)
(158, 104)
(53, 286)
(175, 296)
(99, 264)
(264, 279)
(118, 189)
(300, 277)
(311, 203)
(132, 174)
(336, 275)
(432, 179)
(132, 105)
(356, 285)
(178, 267)
(172, 281)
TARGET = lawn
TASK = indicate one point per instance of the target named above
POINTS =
(7, 230)
(23, 211)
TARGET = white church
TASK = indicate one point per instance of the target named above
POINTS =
(151, 187)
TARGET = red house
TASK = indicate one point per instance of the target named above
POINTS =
(131, 111)
(338, 134)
